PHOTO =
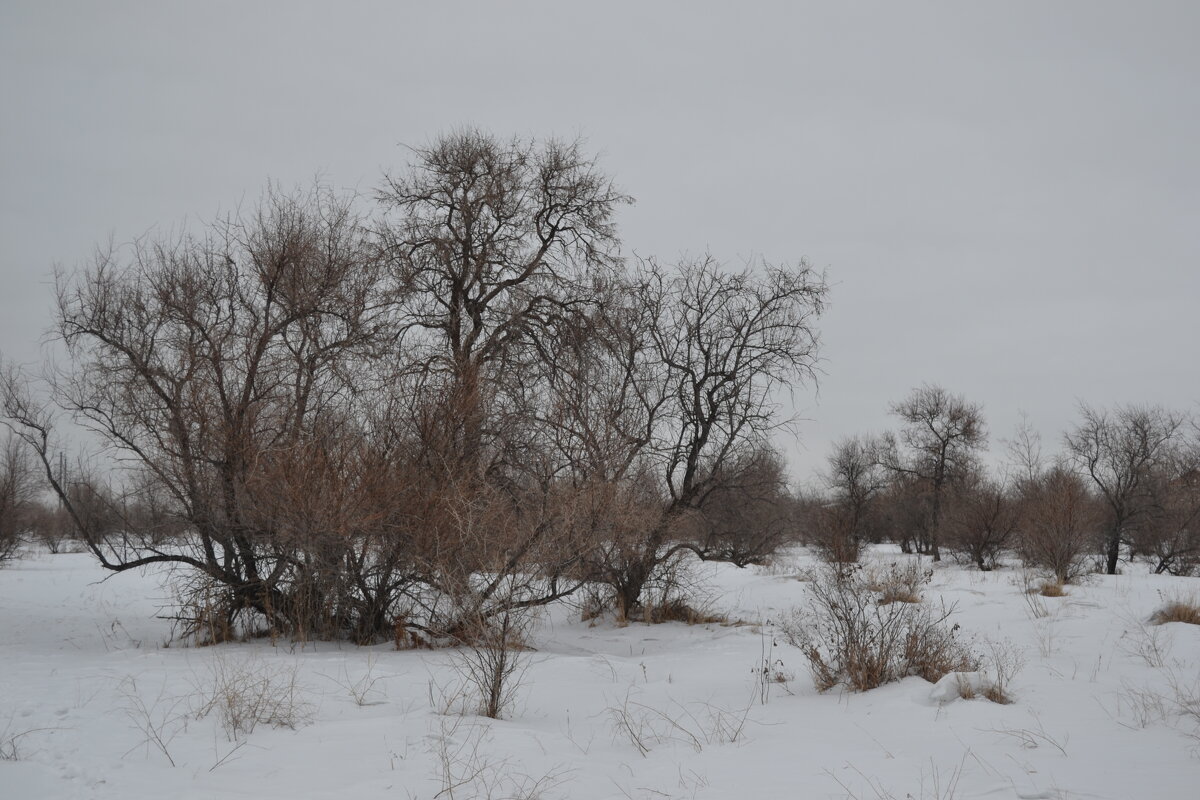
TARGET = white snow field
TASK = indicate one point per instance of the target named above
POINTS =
(95, 704)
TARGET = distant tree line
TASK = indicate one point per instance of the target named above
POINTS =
(1126, 485)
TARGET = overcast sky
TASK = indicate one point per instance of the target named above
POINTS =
(1006, 195)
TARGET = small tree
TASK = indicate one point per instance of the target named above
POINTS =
(941, 435)
(1119, 452)
(207, 363)
(854, 480)
(17, 491)
(1170, 532)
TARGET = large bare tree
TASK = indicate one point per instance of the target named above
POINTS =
(498, 252)
(208, 364)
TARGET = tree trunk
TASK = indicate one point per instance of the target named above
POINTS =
(1114, 551)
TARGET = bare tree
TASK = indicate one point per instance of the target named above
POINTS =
(721, 343)
(1170, 530)
(18, 490)
(204, 363)
(462, 409)
(487, 243)
(498, 252)
(855, 480)
(941, 435)
(1119, 451)
(1024, 451)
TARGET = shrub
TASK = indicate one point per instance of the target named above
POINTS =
(851, 636)
(831, 532)
(492, 661)
(1060, 518)
(247, 693)
(981, 523)
(1004, 661)
(897, 582)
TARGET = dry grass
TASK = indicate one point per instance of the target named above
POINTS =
(679, 610)
(695, 725)
(249, 692)
(1004, 660)
(1051, 588)
(994, 693)
(1178, 609)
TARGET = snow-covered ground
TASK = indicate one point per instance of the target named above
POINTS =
(97, 705)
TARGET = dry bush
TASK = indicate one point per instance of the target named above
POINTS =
(651, 589)
(981, 522)
(10, 748)
(784, 564)
(250, 692)
(851, 637)
(1178, 609)
(492, 661)
(680, 595)
(51, 526)
(361, 689)
(770, 670)
(897, 582)
(158, 720)
(1145, 640)
(1178, 701)
(1004, 660)
(905, 510)
(205, 612)
(749, 514)
(1185, 701)
(1059, 522)
(679, 610)
(832, 531)
(934, 785)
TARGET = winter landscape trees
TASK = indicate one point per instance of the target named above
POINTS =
(464, 401)
(414, 423)
(341, 423)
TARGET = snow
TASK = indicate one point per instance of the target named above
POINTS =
(88, 677)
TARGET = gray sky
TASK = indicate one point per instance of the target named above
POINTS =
(1006, 195)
